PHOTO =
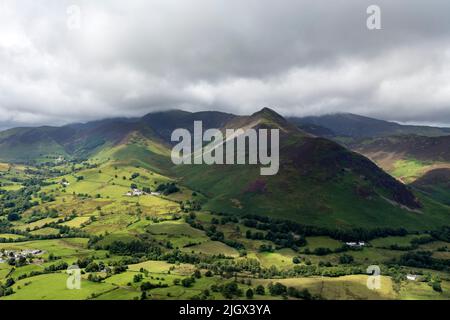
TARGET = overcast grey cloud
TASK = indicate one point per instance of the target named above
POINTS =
(299, 57)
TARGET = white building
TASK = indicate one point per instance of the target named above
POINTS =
(411, 277)
(356, 244)
(135, 192)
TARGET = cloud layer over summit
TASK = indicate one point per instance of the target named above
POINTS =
(299, 57)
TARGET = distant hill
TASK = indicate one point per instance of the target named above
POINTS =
(356, 126)
(408, 146)
(423, 162)
(84, 140)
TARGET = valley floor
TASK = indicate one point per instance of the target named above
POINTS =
(162, 245)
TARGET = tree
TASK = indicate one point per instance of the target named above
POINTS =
(260, 290)
(135, 175)
(197, 274)
(208, 273)
(277, 289)
(12, 216)
(187, 282)
(137, 278)
(346, 259)
(9, 282)
(230, 290)
(92, 267)
(436, 286)
(249, 294)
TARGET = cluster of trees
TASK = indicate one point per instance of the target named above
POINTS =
(229, 290)
(282, 240)
(21, 261)
(177, 256)
(148, 285)
(310, 270)
(286, 226)
(189, 281)
(279, 289)
(414, 244)
(167, 188)
(14, 203)
(224, 220)
(190, 219)
(266, 248)
(57, 267)
(442, 234)
(232, 290)
(95, 278)
(135, 247)
(423, 259)
(6, 288)
(322, 251)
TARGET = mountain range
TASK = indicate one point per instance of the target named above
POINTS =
(354, 126)
(320, 181)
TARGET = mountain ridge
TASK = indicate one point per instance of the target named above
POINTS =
(357, 126)
(319, 182)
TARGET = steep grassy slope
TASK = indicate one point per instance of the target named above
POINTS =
(421, 161)
(435, 149)
(319, 182)
(26, 144)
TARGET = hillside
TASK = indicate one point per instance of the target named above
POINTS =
(85, 140)
(421, 161)
(319, 181)
(408, 146)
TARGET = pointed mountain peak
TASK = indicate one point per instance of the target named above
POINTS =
(268, 114)
(267, 118)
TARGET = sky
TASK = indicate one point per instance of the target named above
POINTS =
(76, 61)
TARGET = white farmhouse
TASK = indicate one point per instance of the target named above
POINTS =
(411, 277)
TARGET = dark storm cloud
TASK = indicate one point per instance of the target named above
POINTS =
(299, 57)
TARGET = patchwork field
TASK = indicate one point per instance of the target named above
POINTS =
(164, 245)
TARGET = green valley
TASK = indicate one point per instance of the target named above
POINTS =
(139, 227)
